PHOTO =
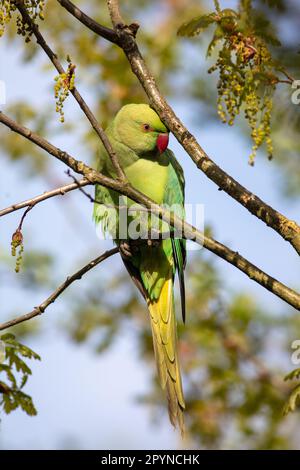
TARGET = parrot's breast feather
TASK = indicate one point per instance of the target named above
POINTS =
(149, 177)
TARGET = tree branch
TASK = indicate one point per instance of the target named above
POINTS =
(99, 29)
(51, 299)
(286, 228)
(189, 232)
(85, 108)
(46, 195)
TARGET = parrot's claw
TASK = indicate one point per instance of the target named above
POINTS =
(153, 243)
(125, 249)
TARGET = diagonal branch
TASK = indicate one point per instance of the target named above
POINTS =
(61, 191)
(51, 299)
(189, 232)
(115, 15)
(85, 108)
(288, 229)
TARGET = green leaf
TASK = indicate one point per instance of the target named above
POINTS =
(197, 25)
(217, 37)
(12, 396)
(27, 352)
(23, 381)
(7, 337)
(295, 374)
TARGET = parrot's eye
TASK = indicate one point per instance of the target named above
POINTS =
(146, 127)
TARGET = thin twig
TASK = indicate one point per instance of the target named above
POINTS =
(70, 279)
(61, 191)
(85, 108)
(188, 231)
(288, 76)
(29, 208)
(131, 209)
(76, 181)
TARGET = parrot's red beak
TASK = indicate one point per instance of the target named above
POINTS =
(162, 142)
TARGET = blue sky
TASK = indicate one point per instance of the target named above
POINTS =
(78, 393)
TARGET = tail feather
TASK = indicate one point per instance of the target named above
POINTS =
(163, 323)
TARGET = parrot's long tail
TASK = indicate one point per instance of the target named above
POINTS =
(163, 323)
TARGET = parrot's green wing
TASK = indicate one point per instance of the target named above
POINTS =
(157, 268)
(105, 215)
(174, 197)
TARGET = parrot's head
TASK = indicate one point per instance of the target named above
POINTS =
(138, 127)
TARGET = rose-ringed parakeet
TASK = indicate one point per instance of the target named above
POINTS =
(140, 141)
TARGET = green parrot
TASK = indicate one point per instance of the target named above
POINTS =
(140, 141)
